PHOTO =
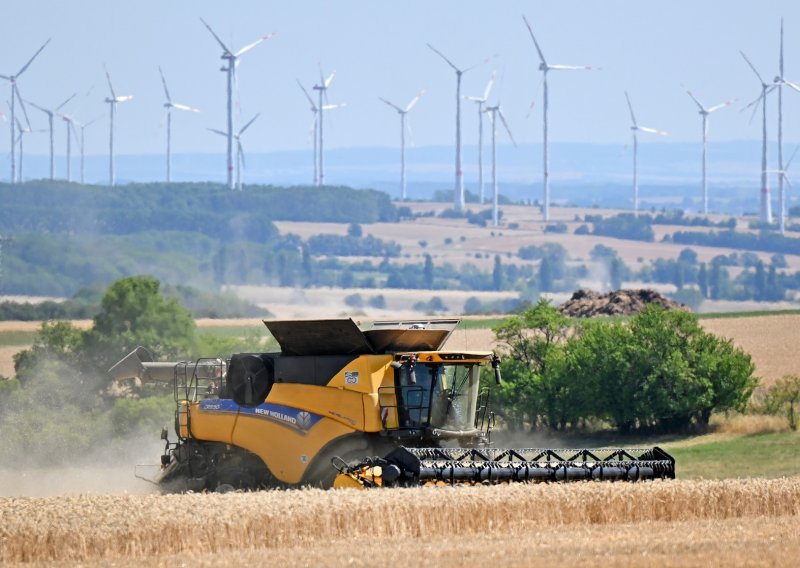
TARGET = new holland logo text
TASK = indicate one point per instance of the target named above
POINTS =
(276, 415)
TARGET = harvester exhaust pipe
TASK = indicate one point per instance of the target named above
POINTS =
(138, 364)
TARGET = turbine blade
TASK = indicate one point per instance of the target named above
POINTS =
(474, 99)
(250, 46)
(530, 110)
(110, 86)
(123, 98)
(6, 77)
(391, 104)
(215, 131)
(414, 101)
(310, 100)
(752, 67)
(573, 68)
(246, 126)
(216, 37)
(789, 162)
(505, 125)
(535, 43)
(793, 85)
(488, 88)
(696, 101)
(185, 107)
(240, 150)
(22, 105)
(630, 108)
(722, 105)
(164, 82)
(34, 105)
(410, 134)
(59, 107)
(440, 54)
(328, 81)
(653, 131)
(35, 55)
(334, 107)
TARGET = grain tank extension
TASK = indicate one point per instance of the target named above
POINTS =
(346, 407)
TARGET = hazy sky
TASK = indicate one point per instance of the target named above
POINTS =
(655, 50)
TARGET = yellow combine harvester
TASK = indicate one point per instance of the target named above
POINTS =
(319, 412)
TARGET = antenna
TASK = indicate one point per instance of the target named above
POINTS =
(546, 67)
(403, 112)
(231, 64)
(636, 128)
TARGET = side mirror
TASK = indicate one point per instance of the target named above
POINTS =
(496, 367)
(164, 433)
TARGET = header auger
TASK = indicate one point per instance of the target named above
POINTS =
(338, 406)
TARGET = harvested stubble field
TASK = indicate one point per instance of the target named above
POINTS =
(741, 522)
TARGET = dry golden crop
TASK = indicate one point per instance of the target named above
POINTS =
(107, 527)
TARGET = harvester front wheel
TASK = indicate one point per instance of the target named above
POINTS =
(352, 448)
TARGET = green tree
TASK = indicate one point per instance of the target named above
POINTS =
(133, 312)
(427, 272)
(784, 396)
(702, 280)
(497, 273)
(545, 275)
(615, 273)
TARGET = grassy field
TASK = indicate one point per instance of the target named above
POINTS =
(207, 526)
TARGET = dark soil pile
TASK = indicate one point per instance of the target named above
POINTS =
(588, 304)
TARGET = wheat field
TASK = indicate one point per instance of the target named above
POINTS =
(317, 527)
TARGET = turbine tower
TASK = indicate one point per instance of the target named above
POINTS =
(169, 105)
(780, 81)
(239, 150)
(636, 128)
(322, 87)
(766, 204)
(70, 128)
(231, 63)
(545, 67)
(495, 112)
(50, 114)
(112, 105)
(458, 190)
(22, 131)
(14, 94)
(402, 112)
(704, 112)
(480, 101)
(83, 128)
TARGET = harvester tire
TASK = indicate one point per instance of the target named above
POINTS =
(321, 472)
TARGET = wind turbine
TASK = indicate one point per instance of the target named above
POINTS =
(783, 172)
(704, 112)
(322, 87)
(231, 63)
(766, 204)
(112, 105)
(70, 122)
(50, 114)
(495, 113)
(480, 101)
(15, 93)
(83, 128)
(169, 105)
(402, 112)
(636, 128)
(315, 111)
(458, 190)
(239, 150)
(19, 139)
(780, 81)
(545, 67)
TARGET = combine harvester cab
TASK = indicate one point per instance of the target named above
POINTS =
(334, 397)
